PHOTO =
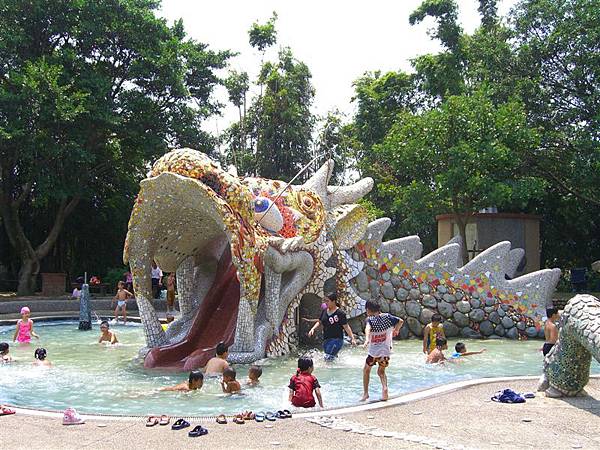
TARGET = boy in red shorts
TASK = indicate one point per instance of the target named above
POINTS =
(379, 332)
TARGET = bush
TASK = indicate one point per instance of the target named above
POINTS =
(114, 275)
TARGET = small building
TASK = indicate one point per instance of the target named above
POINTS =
(488, 228)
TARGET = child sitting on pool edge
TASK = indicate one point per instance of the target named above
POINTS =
(437, 354)
(106, 335)
(5, 357)
(460, 349)
(194, 383)
(254, 373)
(303, 384)
(40, 358)
(229, 384)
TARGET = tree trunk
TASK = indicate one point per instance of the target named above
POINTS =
(30, 257)
(30, 268)
(461, 222)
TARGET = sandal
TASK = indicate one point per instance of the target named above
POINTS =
(270, 417)
(222, 419)
(288, 413)
(248, 415)
(239, 420)
(180, 424)
(152, 420)
(6, 411)
(198, 430)
(260, 417)
(164, 420)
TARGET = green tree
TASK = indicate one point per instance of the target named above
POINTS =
(559, 56)
(463, 156)
(335, 140)
(89, 93)
(263, 36)
(282, 123)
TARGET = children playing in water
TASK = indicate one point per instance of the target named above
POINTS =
(106, 335)
(550, 330)
(378, 339)
(304, 384)
(40, 358)
(170, 292)
(121, 298)
(432, 332)
(254, 373)
(460, 349)
(194, 383)
(217, 364)
(229, 384)
(24, 330)
(437, 354)
(5, 357)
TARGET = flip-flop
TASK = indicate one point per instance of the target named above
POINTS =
(152, 420)
(288, 413)
(259, 417)
(222, 419)
(198, 430)
(164, 420)
(4, 411)
(270, 417)
(248, 415)
(239, 420)
(180, 424)
(281, 415)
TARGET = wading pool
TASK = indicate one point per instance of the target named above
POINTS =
(95, 378)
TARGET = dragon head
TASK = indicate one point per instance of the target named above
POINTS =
(244, 249)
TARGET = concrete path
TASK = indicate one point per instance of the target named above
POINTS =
(461, 419)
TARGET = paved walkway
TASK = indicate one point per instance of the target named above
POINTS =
(462, 419)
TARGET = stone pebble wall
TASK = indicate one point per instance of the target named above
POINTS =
(470, 315)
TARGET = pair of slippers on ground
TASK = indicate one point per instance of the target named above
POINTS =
(198, 430)
(240, 419)
(6, 411)
(156, 420)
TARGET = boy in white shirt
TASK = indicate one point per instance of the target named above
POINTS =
(379, 332)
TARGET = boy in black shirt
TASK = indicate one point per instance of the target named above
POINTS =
(334, 323)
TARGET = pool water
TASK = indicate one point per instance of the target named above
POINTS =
(96, 378)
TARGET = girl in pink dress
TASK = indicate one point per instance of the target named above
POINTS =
(24, 329)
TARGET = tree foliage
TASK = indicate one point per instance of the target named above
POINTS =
(89, 93)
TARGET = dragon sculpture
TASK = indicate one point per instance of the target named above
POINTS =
(248, 250)
(567, 366)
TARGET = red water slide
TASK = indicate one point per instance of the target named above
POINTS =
(214, 322)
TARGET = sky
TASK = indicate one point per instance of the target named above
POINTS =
(338, 40)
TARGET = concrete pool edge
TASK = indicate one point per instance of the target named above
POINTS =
(373, 405)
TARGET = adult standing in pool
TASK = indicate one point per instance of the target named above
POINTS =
(334, 322)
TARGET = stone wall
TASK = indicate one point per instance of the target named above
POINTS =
(475, 300)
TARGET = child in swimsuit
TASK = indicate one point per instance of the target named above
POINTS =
(431, 333)
(24, 329)
(5, 358)
(107, 335)
(40, 358)
(121, 298)
(460, 349)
